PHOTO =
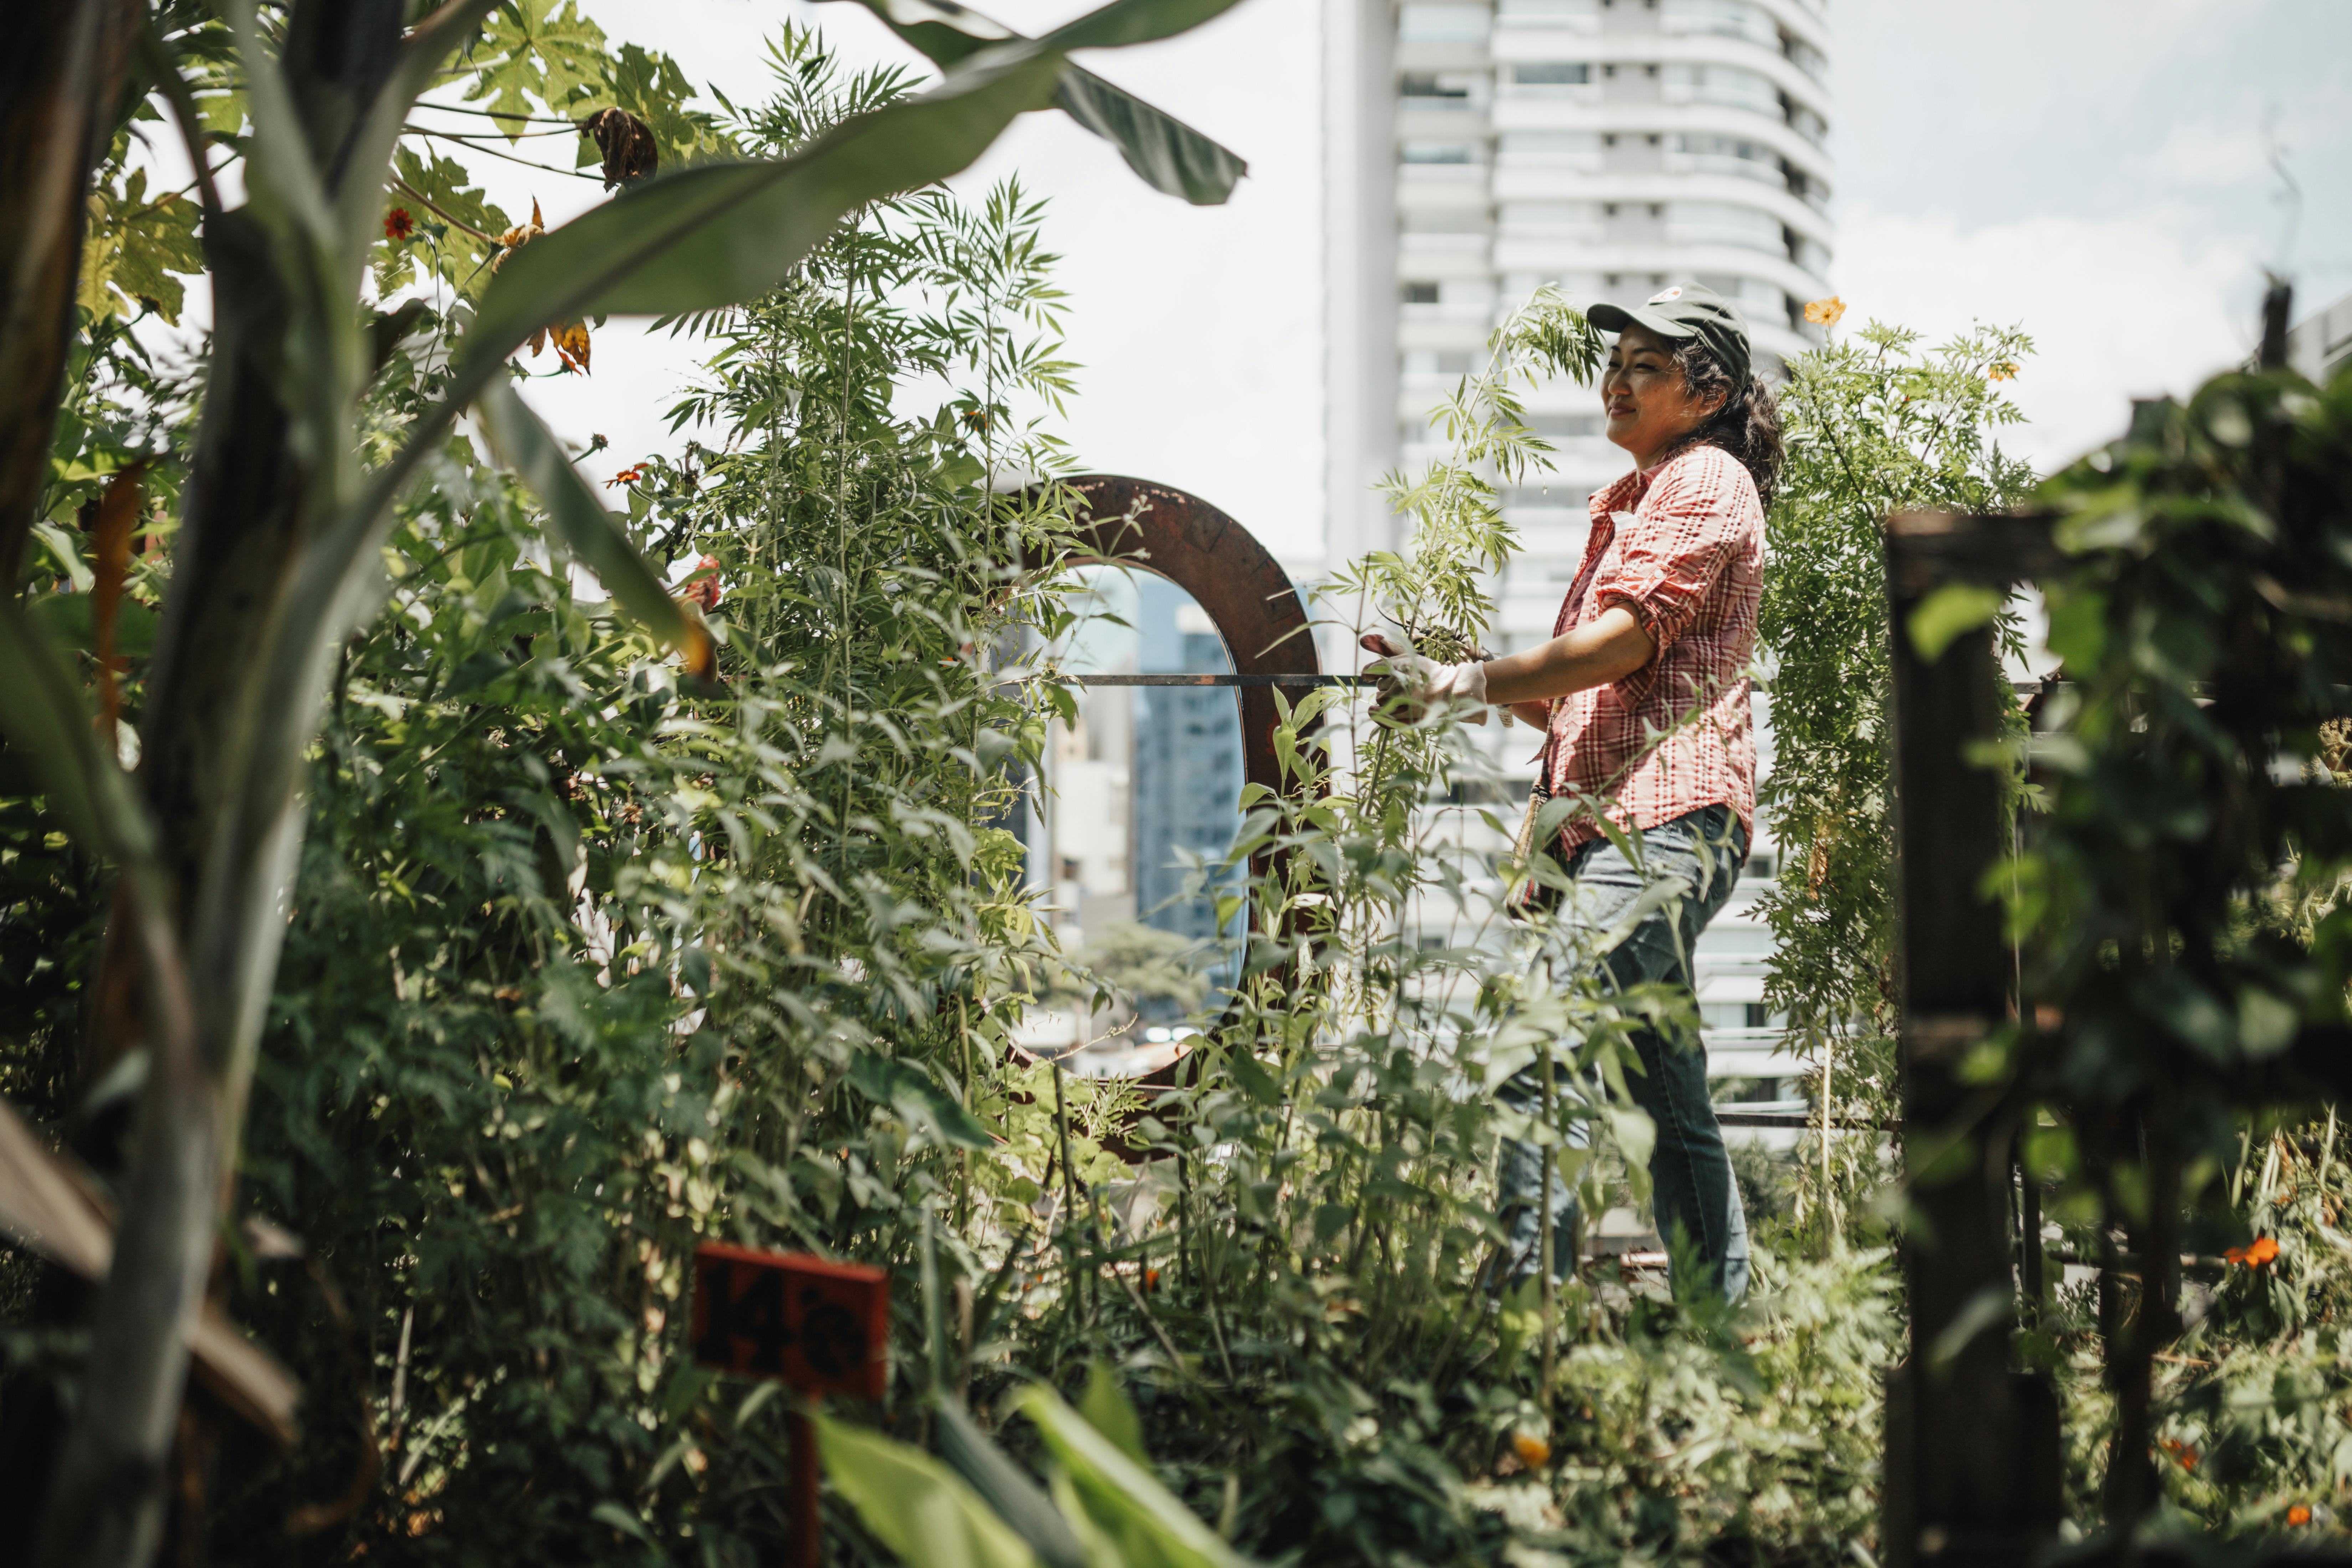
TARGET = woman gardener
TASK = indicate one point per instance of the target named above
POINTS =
(1643, 695)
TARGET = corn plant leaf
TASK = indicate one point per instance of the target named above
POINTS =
(1149, 1524)
(1170, 155)
(916, 1506)
(525, 444)
(1109, 1411)
(999, 1478)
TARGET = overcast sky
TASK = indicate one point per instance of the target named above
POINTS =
(2097, 171)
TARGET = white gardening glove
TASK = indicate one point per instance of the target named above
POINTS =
(1425, 682)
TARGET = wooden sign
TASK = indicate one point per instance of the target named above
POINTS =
(822, 1327)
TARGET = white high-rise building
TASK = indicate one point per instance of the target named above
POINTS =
(1476, 149)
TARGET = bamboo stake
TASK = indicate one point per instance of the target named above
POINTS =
(1069, 1186)
(1829, 1205)
(1544, 1228)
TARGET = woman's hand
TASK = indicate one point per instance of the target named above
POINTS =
(1424, 682)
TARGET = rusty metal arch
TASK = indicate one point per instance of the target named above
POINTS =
(1246, 594)
(1248, 597)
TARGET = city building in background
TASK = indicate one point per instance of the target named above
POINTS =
(1475, 150)
(1187, 762)
(1139, 779)
(2321, 343)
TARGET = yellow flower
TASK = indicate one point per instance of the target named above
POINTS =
(2005, 370)
(1825, 313)
(1533, 1451)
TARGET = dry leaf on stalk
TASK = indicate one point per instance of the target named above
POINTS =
(571, 345)
(626, 142)
(520, 235)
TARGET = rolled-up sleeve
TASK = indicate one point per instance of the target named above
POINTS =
(1669, 555)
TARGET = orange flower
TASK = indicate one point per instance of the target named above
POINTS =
(629, 476)
(397, 224)
(1151, 1280)
(2298, 1514)
(2181, 1451)
(1533, 1451)
(2261, 1251)
(1825, 313)
(2004, 371)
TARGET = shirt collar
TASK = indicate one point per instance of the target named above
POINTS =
(1623, 494)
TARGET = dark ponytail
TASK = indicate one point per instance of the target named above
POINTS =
(1747, 425)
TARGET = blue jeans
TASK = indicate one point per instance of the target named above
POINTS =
(1693, 1194)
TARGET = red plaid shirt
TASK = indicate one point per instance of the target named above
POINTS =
(1681, 547)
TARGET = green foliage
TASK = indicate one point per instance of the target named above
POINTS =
(586, 918)
(587, 961)
(587, 966)
(1874, 424)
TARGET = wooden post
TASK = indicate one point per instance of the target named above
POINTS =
(806, 1547)
(818, 1326)
(1972, 1454)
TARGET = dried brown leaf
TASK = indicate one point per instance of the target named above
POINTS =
(626, 142)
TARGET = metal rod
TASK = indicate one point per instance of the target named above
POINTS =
(1800, 1120)
(1194, 679)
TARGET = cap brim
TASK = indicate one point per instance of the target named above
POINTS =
(1617, 317)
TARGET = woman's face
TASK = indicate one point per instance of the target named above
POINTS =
(1648, 407)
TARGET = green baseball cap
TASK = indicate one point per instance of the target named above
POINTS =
(1686, 310)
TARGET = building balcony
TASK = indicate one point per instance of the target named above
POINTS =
(1432, 175)
(1440, 118)
(1801, 20)
(1477, 313)
(1513, 114)
(1517, 179)
(1561, 234)
(1414, 55)
(1512, 44)
(1515, 254)
(1444, 255)
(1555, 16)
(1429, 327)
